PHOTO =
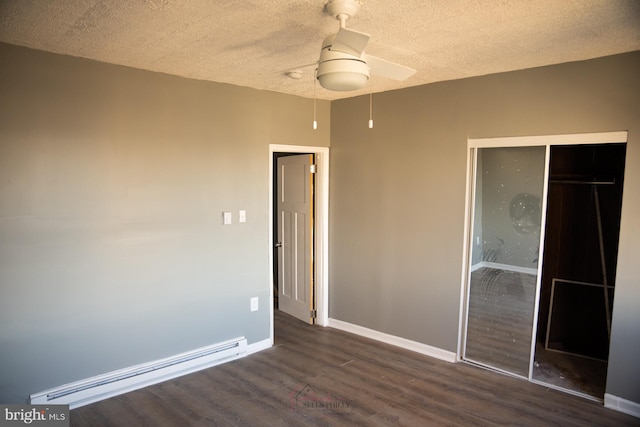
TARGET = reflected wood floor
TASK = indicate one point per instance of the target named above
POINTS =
(501, 319)
(316, 376)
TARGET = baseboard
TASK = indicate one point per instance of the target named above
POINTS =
(506, 267)
(407, 344)
(477, 266)
(259, 346)
(100, 387)
(622, 405)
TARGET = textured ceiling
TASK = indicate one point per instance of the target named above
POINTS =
(253, 42)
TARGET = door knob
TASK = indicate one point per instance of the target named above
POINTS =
(278, 245)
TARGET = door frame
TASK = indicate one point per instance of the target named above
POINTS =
(321, 228)
(521, 141)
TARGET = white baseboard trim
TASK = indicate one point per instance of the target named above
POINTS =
(477, 266)
(259, 346)
(505, 267)
(622, 405)
(407, 344)
(100, 387)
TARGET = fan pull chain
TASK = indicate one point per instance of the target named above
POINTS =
(315, 122)
(370, 111)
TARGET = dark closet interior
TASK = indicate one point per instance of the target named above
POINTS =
(580, 256)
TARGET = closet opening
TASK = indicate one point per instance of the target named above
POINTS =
(584, 201)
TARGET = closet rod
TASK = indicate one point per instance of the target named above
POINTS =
(580, 182)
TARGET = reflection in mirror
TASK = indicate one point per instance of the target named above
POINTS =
(500, 319)
(504, 257)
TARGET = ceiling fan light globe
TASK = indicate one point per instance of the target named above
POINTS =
(343, 81)
(343, 74)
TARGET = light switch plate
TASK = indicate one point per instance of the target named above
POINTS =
(226, 218)
(242, 216)
(254, 304)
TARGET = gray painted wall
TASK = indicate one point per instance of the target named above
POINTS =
(113, 180)
(397, 194)
(112, 187)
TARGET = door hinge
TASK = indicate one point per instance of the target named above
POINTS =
(312, 168)
(313, 314)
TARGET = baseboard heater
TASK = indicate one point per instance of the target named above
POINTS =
(111, 384)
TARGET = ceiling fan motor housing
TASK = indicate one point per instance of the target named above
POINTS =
(343, 9)
(341, 71)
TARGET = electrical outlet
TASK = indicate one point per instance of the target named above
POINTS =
(254, 304)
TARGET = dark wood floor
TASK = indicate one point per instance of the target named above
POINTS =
(571, 372)
(316, 376)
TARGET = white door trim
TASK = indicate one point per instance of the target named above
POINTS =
(534, 141)
(321, 227)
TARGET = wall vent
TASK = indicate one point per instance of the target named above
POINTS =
(111, 384)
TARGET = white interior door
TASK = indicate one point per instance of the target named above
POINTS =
(295, 236)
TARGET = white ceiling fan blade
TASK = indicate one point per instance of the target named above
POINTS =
(298, 67)
(384, 68)
(350, 41)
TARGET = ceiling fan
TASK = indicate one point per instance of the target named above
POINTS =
(343, 65)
